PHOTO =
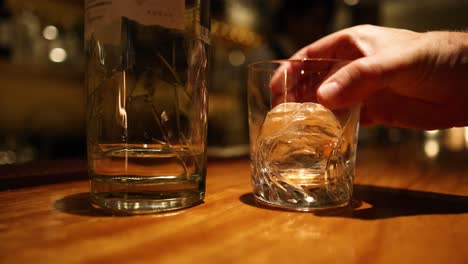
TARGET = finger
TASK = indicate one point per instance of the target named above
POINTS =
(305, 90)
(299, 74)
(339, 45)
(324, 48)
(354, 82)
(282, 98)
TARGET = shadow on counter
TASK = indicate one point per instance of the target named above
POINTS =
(78, 204)
(373, 203)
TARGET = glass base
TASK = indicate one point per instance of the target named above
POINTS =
(303, 197)
(143, 198)
(302, 208)
(138, 203)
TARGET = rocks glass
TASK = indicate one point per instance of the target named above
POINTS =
(302, 154)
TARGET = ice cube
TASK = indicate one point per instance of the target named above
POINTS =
(296, 141)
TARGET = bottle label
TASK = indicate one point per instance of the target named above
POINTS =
(103, 17)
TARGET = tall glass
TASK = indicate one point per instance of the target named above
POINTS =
(146, 103)
(302, 153)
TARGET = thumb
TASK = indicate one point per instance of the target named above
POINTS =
(352, 83)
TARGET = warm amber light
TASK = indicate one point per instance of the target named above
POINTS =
(432, 133)
(431, 148)
(455, 139)
(466, 137)
(236, 58)
(351, 2)
(50, 32)
(57, 55)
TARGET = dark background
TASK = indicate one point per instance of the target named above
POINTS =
(42, 91)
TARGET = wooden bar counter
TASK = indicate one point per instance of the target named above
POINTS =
(406, 209)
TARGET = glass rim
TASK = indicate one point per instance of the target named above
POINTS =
(258, 64)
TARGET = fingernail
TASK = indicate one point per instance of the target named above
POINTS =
(328, 91)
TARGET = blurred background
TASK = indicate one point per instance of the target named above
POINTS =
(42, 69)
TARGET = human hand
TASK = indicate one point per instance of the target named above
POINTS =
(402, 78)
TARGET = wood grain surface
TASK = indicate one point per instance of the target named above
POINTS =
(406, 210)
